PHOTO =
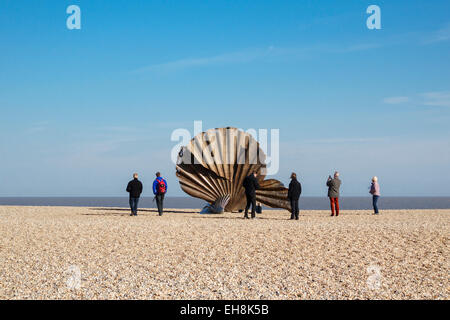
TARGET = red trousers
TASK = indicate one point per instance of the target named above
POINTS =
(334, 202)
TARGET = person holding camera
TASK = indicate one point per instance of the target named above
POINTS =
(375, 192)
(334, 185)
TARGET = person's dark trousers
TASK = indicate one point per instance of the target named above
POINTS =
(334, 202)
(374, 202)
(160, 203)
(251, 200)
(294, 209)
(134, 205)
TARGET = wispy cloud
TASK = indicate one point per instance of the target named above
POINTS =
(360, 47)
(253, 55)
(438, 98)
(37, 127)
(440, 35)
(435, 99)
(221, 59)
(271, 52)
(396, 100)
(342, 140)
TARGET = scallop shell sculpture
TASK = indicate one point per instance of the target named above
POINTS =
(214, 164)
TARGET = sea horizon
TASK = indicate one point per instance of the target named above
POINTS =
(306, 203)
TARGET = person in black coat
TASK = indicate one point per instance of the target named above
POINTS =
(134, 188)
(294, 192)
(250, 185)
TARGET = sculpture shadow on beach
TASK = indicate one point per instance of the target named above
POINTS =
(225, 217)
(125, 211)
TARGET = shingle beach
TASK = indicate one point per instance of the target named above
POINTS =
(103, 253)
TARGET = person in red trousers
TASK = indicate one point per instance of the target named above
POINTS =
(333, 192)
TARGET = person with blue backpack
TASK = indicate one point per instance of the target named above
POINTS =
(159, 190)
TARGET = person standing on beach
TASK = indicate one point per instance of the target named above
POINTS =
(294, 192)
(159, 190)
(375, 191)
(134, 188)
(333, 192)
(250, 185)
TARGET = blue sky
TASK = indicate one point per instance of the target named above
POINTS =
(82, 109)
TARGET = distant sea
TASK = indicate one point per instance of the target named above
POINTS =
(306, 203)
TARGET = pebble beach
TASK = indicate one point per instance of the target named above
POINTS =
(103, 253)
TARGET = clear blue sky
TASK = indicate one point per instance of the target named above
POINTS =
(82, 109)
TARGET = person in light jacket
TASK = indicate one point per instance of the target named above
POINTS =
(375, 192)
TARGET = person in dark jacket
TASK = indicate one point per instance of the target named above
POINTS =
(333, 192)
(134, 188)
(294, 192)
(159, 190)
(250, 185)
